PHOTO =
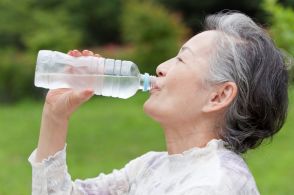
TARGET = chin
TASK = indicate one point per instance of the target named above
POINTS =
(154, 109)
(151, 109)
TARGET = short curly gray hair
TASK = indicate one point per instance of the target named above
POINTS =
(246, 55)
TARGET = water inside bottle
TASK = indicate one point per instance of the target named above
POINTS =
(106, 85)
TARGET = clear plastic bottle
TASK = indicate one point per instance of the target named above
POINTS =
(107, 77)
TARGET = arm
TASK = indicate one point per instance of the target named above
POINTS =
(50, 174)
(59, 105)
(51, 177)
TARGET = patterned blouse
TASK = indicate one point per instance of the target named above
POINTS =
(211, 170)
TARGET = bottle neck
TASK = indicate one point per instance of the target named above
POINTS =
(146, 82)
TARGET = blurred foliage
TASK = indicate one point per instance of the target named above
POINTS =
(194, 12)
(16, 75)
(51, 31)
(29, 26)
(282, 30)
(143, 31)
(25, 28)
(154, 33)
(98, 20)
(287, 2)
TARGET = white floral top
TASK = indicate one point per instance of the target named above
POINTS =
(198, 171)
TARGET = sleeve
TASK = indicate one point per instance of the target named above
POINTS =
(51, 177)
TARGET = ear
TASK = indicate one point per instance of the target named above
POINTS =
(221, 97)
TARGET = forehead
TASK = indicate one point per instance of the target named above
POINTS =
(203, 42)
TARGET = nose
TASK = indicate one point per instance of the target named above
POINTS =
(159, 72)
(161, 69)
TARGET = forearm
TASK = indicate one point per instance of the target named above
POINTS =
(52, 137)
(50, 175)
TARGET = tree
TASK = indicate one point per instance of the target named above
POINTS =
(153, 31)
(282, 30)
(194, 12)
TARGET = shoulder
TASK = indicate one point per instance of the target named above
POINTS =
(143, 162)
(149, 157)
(234, 175)
(222, 172)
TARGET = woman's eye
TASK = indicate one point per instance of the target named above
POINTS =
(180, 59)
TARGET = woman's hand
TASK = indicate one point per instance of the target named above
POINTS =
(61, 103)
(59, 106)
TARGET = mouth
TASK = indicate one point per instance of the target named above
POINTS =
(155, 88)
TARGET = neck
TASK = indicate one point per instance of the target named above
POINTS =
(183, 137)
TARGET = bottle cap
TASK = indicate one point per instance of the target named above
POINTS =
(146, 82)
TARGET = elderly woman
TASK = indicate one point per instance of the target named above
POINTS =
(224, 92)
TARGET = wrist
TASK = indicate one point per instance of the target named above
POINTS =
(54, 114)
(54, 122)
(53, 135)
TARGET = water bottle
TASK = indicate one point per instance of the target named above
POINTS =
(107, 77)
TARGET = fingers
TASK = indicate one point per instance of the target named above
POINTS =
(61, 103)
(77, 53)
(86, 94)
(87, 53)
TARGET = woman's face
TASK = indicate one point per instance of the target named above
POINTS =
(179, 94)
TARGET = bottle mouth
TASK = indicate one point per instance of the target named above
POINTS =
(147, 82)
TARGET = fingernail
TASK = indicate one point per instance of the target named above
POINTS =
(85, 52)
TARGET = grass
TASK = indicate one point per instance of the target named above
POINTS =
(106, 133)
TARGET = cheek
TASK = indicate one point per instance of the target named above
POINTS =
(182, 89)
(161, 106)
(165, 106)
(180, 96)
(167, 109)
(185, 95)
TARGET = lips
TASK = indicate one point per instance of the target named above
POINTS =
(155, 88)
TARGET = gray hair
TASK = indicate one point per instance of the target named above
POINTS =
(246, 55)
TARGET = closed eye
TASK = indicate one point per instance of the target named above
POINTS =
(179, 59)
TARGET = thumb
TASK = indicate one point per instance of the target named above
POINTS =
(85, 95)
(76, 98)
